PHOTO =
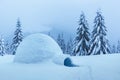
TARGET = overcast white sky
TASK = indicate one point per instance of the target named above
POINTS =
(63, 15)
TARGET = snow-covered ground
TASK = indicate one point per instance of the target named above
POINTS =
(102, 67)
(39, 71)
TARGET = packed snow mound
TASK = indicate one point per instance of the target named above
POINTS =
(37, 48)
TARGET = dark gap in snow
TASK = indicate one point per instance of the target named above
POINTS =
(68, 62)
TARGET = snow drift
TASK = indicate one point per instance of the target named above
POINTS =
(37, 48)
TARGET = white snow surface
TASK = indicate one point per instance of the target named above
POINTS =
(102, 67)
(39, 71)
(37, 48)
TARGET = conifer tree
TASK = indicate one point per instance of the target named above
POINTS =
(18, 36)
(61, 42)
(7, 47)
(81, 42)
(113, 50)
(118, 47)
(99, 43)
(2, 46)
(69, 46)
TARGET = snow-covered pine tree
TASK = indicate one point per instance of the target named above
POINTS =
(118, 47)
(99, 43)
(113, 49)
(61, 42)
(81, 42)
(69, 46)
(2, 46)
(18, 36)
(7, 47)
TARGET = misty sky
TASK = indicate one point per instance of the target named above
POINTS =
(60, 15)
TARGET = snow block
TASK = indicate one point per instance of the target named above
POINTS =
(37, 48)
(59, 59)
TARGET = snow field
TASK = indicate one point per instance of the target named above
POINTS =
(39, 71)
(102, 67)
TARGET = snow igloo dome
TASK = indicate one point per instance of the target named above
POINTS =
(37, 48)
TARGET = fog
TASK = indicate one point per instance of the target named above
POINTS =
(58, 15)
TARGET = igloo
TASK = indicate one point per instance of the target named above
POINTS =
(37, 48)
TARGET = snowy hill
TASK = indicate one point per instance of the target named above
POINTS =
(103, 67)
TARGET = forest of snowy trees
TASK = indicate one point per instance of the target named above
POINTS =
(82, 44)
(10, 48)
(89, 43)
